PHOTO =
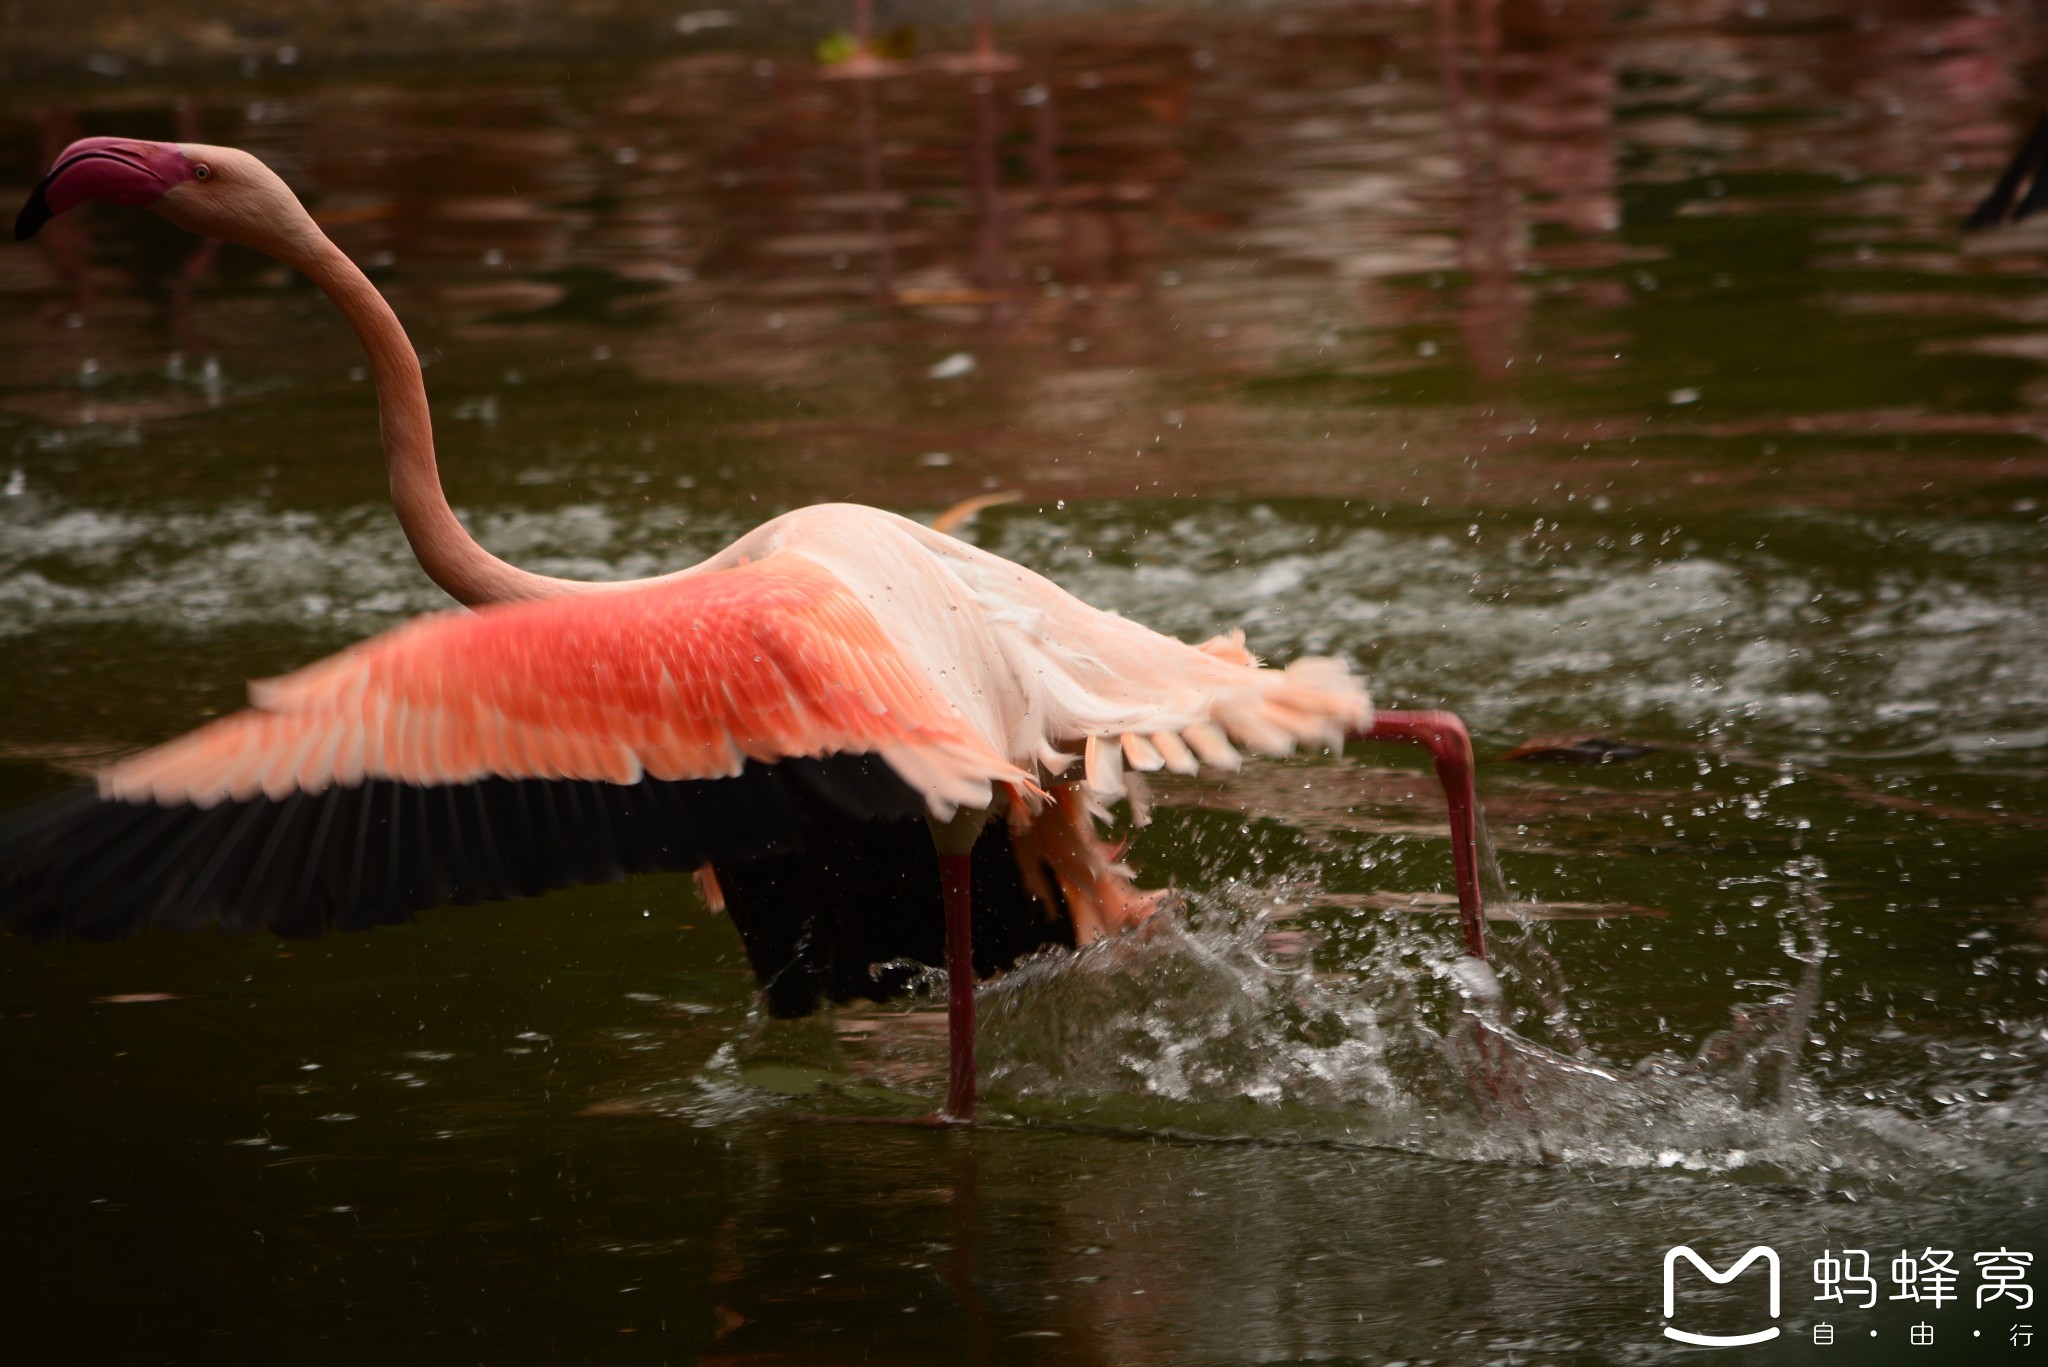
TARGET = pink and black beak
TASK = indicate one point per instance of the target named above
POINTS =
(118, 170)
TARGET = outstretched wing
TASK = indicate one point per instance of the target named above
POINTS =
(473, 756)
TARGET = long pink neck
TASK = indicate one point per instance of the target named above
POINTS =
(445, 549)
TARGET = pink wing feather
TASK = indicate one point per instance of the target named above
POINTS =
(685, 679)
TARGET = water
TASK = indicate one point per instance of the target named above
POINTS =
(1630, 382)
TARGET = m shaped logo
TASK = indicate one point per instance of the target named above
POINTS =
(1735, 1269)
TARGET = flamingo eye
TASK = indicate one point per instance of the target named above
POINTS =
(201, 171)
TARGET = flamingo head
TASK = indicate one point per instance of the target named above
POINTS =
(213, 191)
(117, 170)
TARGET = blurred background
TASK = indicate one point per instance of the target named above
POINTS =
(1617, 376)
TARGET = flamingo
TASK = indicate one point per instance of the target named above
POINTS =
(829, 721)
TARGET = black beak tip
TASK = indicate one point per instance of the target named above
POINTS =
(33, 216)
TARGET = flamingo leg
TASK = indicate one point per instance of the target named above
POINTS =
(955, 840)
(956, 881)
(1450, 745)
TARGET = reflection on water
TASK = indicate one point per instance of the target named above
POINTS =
(1592, 372)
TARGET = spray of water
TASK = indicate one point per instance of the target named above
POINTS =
(1199, 1027)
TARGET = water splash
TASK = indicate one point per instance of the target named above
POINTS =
(1195, 1028)
(1524, 963)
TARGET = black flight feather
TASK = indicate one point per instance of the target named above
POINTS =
(826, 864)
